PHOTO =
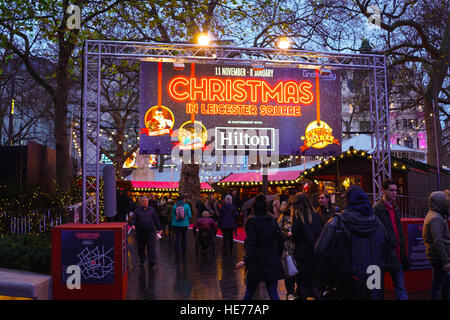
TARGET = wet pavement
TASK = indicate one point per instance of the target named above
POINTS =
(202, 276)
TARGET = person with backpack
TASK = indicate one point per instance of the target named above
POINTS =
(181, 213)
(146, 224)
(389, 214)
(351, 245)
(306, 228)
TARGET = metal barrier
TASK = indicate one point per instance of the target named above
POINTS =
(36, 221)
(40, 221)
(410, 207)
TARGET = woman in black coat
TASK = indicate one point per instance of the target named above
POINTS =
(263, 249)
(306, 229)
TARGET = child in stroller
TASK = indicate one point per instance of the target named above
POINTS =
(207, 229)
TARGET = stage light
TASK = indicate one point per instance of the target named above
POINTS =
(203, 39)
(284, 43)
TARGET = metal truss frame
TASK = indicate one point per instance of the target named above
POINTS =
(95, 50)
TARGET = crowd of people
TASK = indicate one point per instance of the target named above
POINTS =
(342, 254)
(165, 217)
(339, 254)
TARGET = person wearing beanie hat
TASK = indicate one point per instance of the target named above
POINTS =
(365, 246)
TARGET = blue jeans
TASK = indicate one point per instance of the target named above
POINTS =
(398, 279)
(180, 239)
(440, 283)
(271, 286)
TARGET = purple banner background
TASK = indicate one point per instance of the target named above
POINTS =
(291, 129)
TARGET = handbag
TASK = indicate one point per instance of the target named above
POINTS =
(289, 265)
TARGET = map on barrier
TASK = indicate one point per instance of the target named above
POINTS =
(92, 252)
(95, 263)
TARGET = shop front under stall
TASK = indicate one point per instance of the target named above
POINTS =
(249, 184)
(163, 189)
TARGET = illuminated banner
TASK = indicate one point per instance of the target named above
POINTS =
(225, 107)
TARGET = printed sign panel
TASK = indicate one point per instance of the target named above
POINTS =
(92, 252)
(416, 248)
(224, 107)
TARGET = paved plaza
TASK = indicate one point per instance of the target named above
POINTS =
(201, 276)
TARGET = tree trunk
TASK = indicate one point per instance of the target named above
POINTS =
(63, 161)
(434, 143)
(189, 186)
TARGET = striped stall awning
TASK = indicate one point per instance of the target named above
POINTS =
(164, 186)
(255, 178)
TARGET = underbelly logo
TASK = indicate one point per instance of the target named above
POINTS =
(318, 135)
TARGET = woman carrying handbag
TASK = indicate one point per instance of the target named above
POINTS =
(285, 223)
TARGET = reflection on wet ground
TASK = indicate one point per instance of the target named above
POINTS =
(202, 276)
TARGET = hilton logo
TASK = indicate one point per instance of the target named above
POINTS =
(238, 138)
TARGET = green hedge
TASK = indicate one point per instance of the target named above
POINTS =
(26, 252)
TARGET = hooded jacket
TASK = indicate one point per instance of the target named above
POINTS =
(435, 231)
(367, 235)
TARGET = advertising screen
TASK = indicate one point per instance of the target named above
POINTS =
(289, 111)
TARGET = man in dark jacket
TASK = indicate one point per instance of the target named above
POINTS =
(366, 245)
(228, 216)
(436, 237)
(387, 211)
(145, 222)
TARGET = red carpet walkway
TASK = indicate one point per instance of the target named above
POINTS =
(239, 236)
